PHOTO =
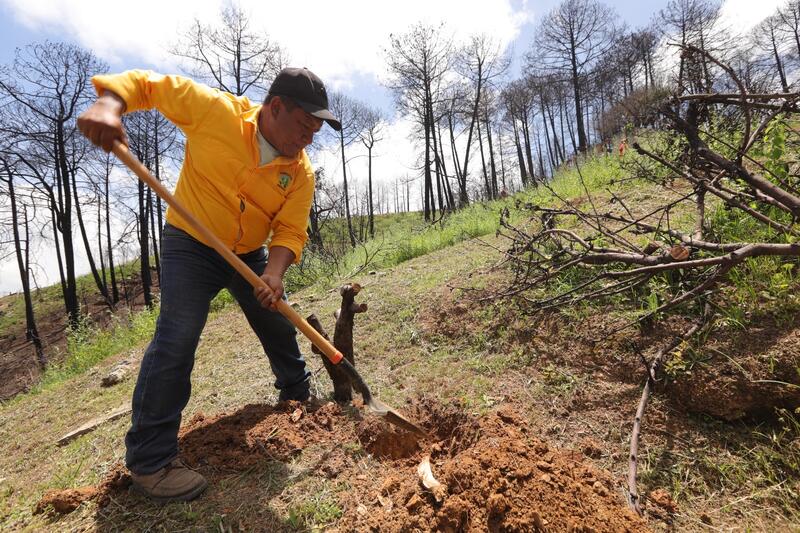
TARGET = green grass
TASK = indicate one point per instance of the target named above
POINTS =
(88, 345)
(313, 514)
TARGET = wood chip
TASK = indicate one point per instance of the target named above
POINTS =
(428, 481)
(296, 415)
(679, 252)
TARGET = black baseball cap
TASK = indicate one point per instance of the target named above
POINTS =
(307, 90)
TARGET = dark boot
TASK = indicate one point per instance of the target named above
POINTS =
(174, 482)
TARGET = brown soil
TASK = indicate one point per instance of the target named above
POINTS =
(18, 364)
(497, 475)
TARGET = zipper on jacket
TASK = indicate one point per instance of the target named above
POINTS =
(240, 234)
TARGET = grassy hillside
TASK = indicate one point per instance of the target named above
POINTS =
(433, 334)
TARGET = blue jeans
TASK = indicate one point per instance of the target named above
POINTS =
(191, 275)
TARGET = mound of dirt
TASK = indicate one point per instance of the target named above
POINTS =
(497, 477)
(227, 442)
(496, 474)
(66, 501)
(257, 432)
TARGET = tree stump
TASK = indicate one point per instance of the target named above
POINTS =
(342, 340)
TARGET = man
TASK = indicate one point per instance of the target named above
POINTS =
(245, 175)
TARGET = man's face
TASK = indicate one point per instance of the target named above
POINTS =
(293, 130)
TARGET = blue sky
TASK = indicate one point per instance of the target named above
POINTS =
(342, 41)
(23, 22)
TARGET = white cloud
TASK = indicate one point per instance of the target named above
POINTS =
(739, 16)
(335, 39)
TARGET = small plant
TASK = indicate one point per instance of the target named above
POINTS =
(314, 514)
(221, 301)
(558, 379)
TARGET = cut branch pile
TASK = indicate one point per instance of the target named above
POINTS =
(725, 151)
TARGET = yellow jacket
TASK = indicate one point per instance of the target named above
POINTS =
(220, 181)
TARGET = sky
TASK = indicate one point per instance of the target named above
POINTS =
(343, 42)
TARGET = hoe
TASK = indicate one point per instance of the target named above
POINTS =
(373, 404)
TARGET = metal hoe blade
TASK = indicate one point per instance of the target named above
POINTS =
(379, 408)
(376, 406)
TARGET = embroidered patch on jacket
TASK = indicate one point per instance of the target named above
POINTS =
(283, 180)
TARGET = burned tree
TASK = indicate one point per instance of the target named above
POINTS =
(571, 39)
(418, 63)
(230, 55)
(342, 340)
(371, 133)
(351, 115)
(49, 83)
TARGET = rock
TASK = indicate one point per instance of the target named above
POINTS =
(118, 373)
(413, 502)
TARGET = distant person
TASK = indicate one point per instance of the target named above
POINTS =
(245, 175)
(623, 146)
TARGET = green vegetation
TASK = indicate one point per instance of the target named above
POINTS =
(88, 345)
(314, 513)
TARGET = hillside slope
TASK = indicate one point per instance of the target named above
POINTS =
(530, 413)
(425, 342)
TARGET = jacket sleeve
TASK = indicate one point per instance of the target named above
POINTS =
(183, 101)
(290, 225)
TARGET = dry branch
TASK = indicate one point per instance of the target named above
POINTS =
(652, 371)
(92, 424)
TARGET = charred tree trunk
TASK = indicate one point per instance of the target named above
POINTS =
(492, 165)
(23, 263)
(346, 195)
(111, 269)
(342, 340)
(101, 286)
(522, 170)
(526, 134)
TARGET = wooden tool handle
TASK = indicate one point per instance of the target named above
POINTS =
(133, 163)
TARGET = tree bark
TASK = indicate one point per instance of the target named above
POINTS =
(342, 340)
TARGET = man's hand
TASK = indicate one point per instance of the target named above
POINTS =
(102, 122)
(269, 297)
(279, 260)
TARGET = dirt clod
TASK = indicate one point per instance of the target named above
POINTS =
(64, 501)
